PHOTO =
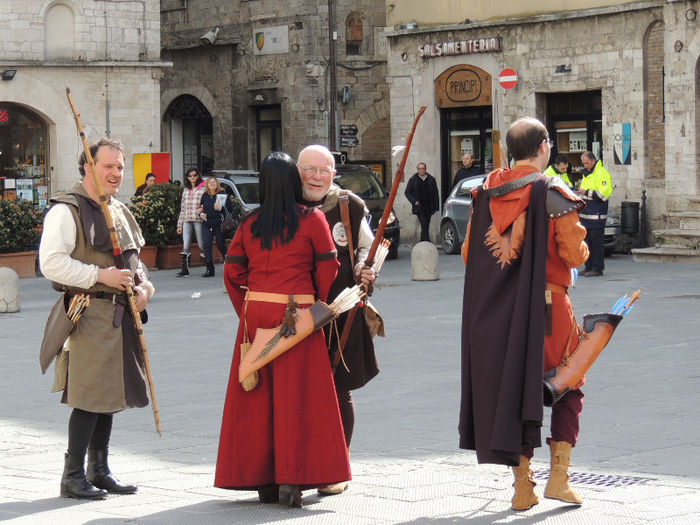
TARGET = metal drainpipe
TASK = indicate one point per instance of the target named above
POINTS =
(333, 81)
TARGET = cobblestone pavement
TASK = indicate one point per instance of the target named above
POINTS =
(637, 460)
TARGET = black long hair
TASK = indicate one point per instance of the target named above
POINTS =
(280, 197)
(199, 180)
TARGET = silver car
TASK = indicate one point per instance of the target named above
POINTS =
(455, 214)
(241, 184)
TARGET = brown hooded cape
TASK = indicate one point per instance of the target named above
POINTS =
(503, 331)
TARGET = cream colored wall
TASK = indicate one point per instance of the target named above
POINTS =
(445, 12)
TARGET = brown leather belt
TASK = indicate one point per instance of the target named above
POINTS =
(557, 288)
(109, 296)
(269, 297)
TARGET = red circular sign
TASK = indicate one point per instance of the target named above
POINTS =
(508, 78)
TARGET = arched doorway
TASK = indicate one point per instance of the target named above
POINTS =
(191, 138)
(23, 154)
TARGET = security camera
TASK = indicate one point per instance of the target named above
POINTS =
(210, 36)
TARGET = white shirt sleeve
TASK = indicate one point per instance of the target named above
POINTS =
(57, 244)
(364, 242)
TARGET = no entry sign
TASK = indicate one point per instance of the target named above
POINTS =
(508, 78)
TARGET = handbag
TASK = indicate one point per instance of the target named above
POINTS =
(228, 224)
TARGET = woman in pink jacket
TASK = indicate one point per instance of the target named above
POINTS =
(189, 219)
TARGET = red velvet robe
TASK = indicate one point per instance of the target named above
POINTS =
(288, 428)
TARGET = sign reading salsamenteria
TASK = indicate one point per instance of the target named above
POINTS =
(460, 47)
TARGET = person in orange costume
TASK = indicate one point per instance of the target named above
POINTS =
(285, 434)
(503, 225)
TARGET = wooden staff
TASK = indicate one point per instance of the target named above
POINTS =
(118, 257)
(369, 262)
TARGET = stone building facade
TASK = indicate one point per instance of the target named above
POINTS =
(267, 80)
(108, 53)
(619, 80)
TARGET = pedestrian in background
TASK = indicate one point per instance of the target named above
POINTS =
(422, 193)
(214, 200)
(285, 433)
(150, 181)
(99, 368)
(189, 222)
(559, 168)
(467, 169)
(353, 238)
(595, 188)
(523, 239)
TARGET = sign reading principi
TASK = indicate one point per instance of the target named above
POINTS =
(461, 86)
(508, 78)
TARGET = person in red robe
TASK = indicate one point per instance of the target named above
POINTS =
(284, 435)
(523, 239)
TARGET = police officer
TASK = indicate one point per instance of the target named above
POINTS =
(596, 188)
(559, 169)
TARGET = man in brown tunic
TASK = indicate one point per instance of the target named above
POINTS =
(99, 368)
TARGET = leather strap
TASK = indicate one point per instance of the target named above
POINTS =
(345, 217)
(269, 297)
(511, 186)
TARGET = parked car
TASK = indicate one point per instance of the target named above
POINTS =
(612, 232)
(241, 184)
(455, 214)
(361, 181)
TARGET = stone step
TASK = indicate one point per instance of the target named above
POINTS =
(694, 203)
(665, 254)
(677, 238)
(687, 220)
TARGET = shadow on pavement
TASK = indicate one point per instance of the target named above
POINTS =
(16, 509)
(217, 511)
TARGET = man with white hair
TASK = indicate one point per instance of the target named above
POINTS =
(345, 213)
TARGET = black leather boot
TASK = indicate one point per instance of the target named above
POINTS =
(210, 269)
(99, 475)
(185, 265)
(73, 482)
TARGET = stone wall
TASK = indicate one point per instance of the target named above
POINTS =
(298, 80)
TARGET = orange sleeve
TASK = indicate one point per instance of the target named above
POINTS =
(570, 235)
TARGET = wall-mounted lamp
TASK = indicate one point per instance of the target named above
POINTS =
(9, 74)
(563, 68)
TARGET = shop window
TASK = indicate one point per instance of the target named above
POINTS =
(268, 131)
(59, 32)
(354, 34)
(23, 155)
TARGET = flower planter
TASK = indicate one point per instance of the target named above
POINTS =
(24, 263)
(148, 256)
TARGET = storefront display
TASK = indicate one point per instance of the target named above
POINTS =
(23, 155)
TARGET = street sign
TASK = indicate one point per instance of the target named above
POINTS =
(349, 141)
(348, 130)
(508, 78)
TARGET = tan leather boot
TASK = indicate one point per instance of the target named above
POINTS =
(525, 497)
(558, 485)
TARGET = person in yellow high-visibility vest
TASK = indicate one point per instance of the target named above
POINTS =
(559, 168)
(595, 188)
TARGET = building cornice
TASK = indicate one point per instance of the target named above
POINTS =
(534, 19)
(85, 63)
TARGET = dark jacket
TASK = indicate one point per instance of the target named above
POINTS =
(463, 173)
(214, 216)
(425, 192)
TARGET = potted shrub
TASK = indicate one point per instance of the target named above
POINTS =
(156, 212)
(20, 228)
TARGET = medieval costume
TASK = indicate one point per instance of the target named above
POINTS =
(524, 237)
(357, 363)
(99, 368)
(287, 429)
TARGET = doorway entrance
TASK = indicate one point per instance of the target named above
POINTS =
(575, 123)
(191, 138)
(464, 130)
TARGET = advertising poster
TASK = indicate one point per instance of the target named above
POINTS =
(25, 189)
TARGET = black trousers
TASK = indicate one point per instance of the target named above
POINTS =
(595, 239)
(424, 219)
(208, 234)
